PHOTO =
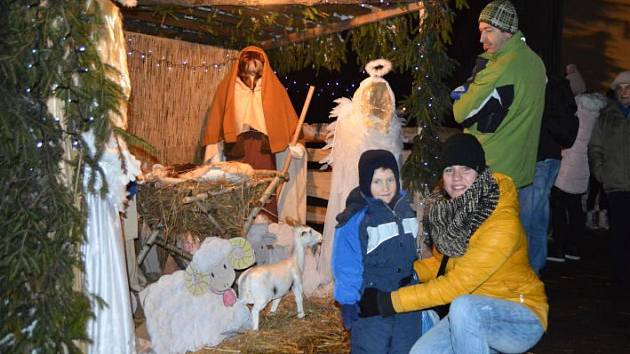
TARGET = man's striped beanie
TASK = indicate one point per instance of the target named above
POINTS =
(500, 14)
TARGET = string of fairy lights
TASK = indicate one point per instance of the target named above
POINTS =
(150, 57)
(294, 83)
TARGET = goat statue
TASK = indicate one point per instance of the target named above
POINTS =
(270, 282)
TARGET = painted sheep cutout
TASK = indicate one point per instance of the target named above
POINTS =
(197, 307)
(270, 282)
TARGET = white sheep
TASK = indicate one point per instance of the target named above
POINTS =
(264, 283)
(190, 309)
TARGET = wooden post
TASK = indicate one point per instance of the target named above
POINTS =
(276, 182)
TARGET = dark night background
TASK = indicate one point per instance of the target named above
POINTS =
(539, 20)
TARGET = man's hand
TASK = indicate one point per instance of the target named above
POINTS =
(458, 92)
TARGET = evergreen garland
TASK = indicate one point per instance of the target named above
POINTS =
(415, 46)
(48, 50)
(429, 101)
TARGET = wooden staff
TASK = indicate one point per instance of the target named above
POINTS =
(280, 177)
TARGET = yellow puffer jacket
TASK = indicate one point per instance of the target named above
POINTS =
(495, 265)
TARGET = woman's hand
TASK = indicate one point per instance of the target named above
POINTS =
(369, 303)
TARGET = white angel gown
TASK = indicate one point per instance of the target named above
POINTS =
(366, 122)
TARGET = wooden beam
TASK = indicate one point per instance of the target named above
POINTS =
(199, 27)
(318, 184)
(254, 2)
(341, 26)
(148, 16)
(315, 214)
(172, 32)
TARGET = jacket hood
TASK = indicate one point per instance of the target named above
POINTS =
(356, 201)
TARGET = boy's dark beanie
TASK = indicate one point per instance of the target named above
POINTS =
(372, 160)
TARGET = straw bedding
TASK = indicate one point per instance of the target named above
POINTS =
(320, 331)
(222, 214)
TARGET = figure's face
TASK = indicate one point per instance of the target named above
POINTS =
(384, 184)
(377, 101)
(623, 94)
(492, 38)
(253, 67)
(457, 179)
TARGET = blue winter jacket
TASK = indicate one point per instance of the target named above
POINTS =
(374, 246)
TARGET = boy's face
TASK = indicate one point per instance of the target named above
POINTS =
(384, 184)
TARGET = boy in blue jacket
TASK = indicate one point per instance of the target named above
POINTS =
(375, 246)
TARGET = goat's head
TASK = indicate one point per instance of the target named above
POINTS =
(306, 236)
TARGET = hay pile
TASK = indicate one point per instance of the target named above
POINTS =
(222, 214)
(320, 331)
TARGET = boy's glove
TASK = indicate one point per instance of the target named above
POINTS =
(349, 314)
(375, 303)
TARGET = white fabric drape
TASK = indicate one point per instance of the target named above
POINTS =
(292, 200)
(111, 330)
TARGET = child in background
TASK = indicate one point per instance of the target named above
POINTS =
(375, 246)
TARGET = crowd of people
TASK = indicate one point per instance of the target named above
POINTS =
(534, 150)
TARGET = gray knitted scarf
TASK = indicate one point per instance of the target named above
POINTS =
(451, 222)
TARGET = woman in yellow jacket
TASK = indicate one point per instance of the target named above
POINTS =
(497, 303)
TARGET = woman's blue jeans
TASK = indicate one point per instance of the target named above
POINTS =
(479, 325)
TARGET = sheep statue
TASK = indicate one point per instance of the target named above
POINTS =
(270, 282)
(190, 309)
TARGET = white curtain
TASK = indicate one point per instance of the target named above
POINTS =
(292, 200)
(112, 329)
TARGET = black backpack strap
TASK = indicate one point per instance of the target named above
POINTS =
(442, 266)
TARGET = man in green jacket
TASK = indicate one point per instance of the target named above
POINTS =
(503, 104)
(609, 157)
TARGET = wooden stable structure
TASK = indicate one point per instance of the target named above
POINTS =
(179, 50)
(269, 23)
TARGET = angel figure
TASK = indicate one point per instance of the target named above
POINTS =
(365, 122)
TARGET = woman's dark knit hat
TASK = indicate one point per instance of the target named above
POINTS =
(371, 161)
(463, 150)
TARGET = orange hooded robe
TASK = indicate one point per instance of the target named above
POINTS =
(280, 117)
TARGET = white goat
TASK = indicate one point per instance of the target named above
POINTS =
(264, 283)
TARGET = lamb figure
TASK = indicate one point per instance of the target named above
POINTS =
(270, 282)
(190, 309)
